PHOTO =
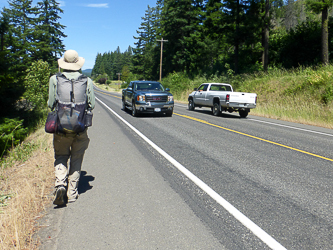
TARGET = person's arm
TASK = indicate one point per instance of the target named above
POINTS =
(52, 92)
(90, 94)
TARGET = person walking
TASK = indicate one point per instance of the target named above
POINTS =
(69, 146)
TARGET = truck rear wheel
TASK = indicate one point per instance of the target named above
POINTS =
(243, 113)
(216, 109)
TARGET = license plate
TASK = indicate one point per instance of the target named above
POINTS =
(157, 110)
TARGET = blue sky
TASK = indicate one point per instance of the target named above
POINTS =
(100, 26)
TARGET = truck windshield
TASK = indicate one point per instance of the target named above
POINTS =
(155, 86)
(215, 87)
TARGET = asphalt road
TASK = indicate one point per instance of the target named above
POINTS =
(196, 181)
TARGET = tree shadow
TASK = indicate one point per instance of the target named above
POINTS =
(84, 184)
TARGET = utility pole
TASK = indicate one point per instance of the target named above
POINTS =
(161, 56)
(118, 76)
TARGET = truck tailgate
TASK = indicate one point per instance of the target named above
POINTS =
(239, 97)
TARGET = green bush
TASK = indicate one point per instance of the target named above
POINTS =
(12, 133)
(36, 85)
(177, 82)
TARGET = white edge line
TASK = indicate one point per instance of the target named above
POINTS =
(261, 234)
(286, 126)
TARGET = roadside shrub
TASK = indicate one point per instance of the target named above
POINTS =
(130, 77)
(177, 82)
(291, 49)
(124, 85)
(101, 80)
(315, 81)
(327, 96)
(36, 82)
(12, 133)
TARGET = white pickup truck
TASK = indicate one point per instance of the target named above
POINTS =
(220, 97)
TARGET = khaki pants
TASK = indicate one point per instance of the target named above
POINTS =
(69, 147)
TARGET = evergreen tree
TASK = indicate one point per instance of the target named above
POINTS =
(127, 60)
(321, 6)
(290, 20)
(111, 63)
(48, 32)
(181, 25)
(20, 39)
(98, 61)
(4, 28)
(235, 26)
(8, 91)
(143, 59)
(214, 23)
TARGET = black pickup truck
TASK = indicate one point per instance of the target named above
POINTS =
(147, 97)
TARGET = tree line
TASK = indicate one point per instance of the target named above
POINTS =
(112, 64)
(30, 43)
(207, 37)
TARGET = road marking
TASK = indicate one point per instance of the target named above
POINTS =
(286, 126)
(277, 124)
(254, 137)
(256, 230)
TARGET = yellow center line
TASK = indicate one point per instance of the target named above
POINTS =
(254, 137)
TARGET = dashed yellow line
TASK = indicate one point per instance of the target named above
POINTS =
(254, 137)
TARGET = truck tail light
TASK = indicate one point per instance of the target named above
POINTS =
(227, 98)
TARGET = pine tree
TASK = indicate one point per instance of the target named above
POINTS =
(4, 28)
(181, 26)
(143, 58)
(21, 26)
(321, 6)
(213, 30)
(8, 91)
(98, 61)
(48, 32)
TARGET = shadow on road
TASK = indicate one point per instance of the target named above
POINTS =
(84, 184)
(224, 114)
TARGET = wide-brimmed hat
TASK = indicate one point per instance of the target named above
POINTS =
(71, 60)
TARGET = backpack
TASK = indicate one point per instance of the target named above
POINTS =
(71, 104)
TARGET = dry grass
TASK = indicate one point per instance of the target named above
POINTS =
(27, 187)
(300, 107)
(112, 87)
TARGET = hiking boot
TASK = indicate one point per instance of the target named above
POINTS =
(72, 199)
(59, 196)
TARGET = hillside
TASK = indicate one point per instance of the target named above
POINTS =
(87, 72)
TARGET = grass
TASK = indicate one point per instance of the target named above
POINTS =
(114, 86)
(26, 178)
(300, 95)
